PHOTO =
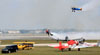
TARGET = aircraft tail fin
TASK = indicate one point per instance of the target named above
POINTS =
(60, 43)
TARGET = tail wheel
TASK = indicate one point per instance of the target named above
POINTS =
(51, 34)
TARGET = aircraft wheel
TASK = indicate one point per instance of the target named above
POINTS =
(83, 40)
(69, 49)
(78, 49)
(62, 50)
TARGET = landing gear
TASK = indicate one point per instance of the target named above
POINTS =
(73, 10)
(62, 50)
(69, 49)
(66, 38)
(78, 49)
(57, 40)
(83, 40)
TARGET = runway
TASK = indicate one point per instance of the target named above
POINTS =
(23, 37)
(42, 44)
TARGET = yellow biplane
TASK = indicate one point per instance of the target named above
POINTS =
(25, 45)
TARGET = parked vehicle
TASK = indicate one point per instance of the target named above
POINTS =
(25, 45)
(10, 49)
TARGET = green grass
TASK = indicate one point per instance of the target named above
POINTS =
(36, 41)
(52, 51)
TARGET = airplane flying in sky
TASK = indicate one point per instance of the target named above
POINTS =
(76, 9)
(63, 37)
(72, 44)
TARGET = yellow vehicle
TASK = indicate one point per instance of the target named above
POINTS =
(25, 45)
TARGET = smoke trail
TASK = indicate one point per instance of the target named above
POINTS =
(91, 5)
